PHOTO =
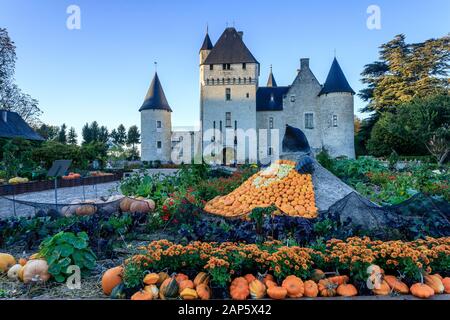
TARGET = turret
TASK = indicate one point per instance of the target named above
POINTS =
(156, 124)
(337, 115)
(205, 48)
(271, 80)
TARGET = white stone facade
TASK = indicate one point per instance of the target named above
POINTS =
(156, 135)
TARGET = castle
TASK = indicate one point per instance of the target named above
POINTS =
(235, 109)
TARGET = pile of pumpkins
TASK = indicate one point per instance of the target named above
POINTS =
(72, 176)
(33, 270)
(17, 180)
(86, 208)
(158, 286)
(137, 205)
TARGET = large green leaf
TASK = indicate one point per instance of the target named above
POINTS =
(65, 250)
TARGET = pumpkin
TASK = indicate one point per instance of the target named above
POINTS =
(434, 282)
(421, 290)
(439, 276)
(186, 284)
(142, 206)
(201, 278)
(151, 278)
(257, 289)
(317, 275)
(162, 276)
(339, 279)
(142, 295)
(86, 210)
(189, 294)
(20, 274)
(270, 283)
(396, 284)
(382, 288)
(203, 291)
(347, 290)
(180, 277)
(294, 286)
(327, 288)
(268, 277)
(153, 289)
(36, 271)
(446, 283)
(22, 261)
(125, 204)
(249, 277)
(239, 289)
(6, 262)
(277, 293)
(169, 288)
(118, 292)
(111, 278)
(13, 272)
(311, 289)
(239, 280)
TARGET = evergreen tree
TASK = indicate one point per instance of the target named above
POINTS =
(103, 134)
(47, 132)
(95, 131)
(62, 134)
(121, 135)
(134, 137)
(86, 134)
(72, 136)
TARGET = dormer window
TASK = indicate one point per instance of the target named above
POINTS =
(272, 98)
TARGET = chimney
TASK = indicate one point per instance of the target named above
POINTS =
(5, 116)
(304, 63)
(241, 34)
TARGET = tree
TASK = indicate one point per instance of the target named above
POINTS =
(86, 134)
(11, 97)
(47, 132)
(134, 137)
(103, 134)
(120, 136)
(72, 136)
(62, 134)
(95, 131)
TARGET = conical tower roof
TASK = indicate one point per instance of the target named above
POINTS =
(271, 80)
(336, 81)
(207, 44)
(155, 98)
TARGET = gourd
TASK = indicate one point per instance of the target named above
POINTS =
(142, 295)
(153, 289)
(317, 275)
(169, 288)
(268, 277)
(382, 288)
(347, 290)
(396, 284)
(189, 294)
(186, 284)
(446, 283)
(142, 206)
(435, 283)
(86, 210)
(311, 289)
(180, 277)
(277, 293)
(162, 276)
(201, 278)
(6, 262)
(257, 289)
(111, 278)
(203, 291)
(36, 271)
(249, 277)
(421, 290)
(339, 279)
(239, 289)
(118, 292)
(294, 286)
(327, 288)
(270, 283)
(22, 261)
(13, 272)
(34, 256)
(125, 204)
(151, 278)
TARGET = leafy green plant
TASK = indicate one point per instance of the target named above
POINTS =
(65, 249)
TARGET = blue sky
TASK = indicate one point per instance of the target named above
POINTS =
(103, 71)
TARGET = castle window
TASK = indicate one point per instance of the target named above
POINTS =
(309, 121)
(218, 81)
(293, 98)
(272, 98)
(226, 66)
(244, 66)
(228, 119)
(245, 80)
(250, 80)
(211, 67)
(247, 95)
(335, 120)
(235, 124)
(223, 80)
(270, 123)
(212, 81)
(158, 124)
(158, 144)
(213, 138)
(227, 94)
(207, 81)
(239, 80)
(234, 80)
(270, 151)
(228, 80)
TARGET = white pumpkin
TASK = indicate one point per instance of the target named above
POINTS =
(13, 272)
(36, 271)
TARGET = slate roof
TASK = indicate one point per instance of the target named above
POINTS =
(207, 44)
(155, 98)
(271, 80)
(336, 81)
(16, 127)
(230, 49)
(270, 98)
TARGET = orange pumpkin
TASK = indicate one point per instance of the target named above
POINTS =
(201, 278)
(277, 293)
(446, 283)
(249, 277)
(327, 288)
(339, 279)
(257, 289)
(22, 261)
(346, 290)
(180, 277)
(382, 288)
(270, 283)
(311, 289)
(396, 284)
(111, 278)
(203, 291)
(435, 283)
(151, 278)
(186, 284)
(268, 277)
(239, 291)
(142, 295)
(294, 286)
(421, 290)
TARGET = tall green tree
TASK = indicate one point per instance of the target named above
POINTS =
(133, 138)
(103, 134)
(47, 132)
(72, 136)
(86, 134)
(121, 138)
(62, 134)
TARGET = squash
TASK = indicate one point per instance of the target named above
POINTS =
(239, 290)
(153, 289)
(142, 295)
(270, 283)
(201, 278)
(186, 284)
(125, 204)
(396, 284)
(180, 277)
(382, 288)
(327, 288)
(36, 271)
(294, 286)
(162, 276)
(151, 278)
(317, 275)
(257, 289)
(249, 277)
(20, 274)
(111, 278)
(435, 283)
(446, 283)
(86, 210)
(22, 261)
(421, 290)
(118, 292)
(268, 277)
(203, 291)
(189, 294)
(277, 293)
(169, 288)
(347, 290)
(311, 289)
(142, 206)
(339, 279)
(13, 272)
(6, 262)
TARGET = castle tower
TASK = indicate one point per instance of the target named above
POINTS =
(228, 83)
(271, 80)
(337, 116)
(156, 124)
